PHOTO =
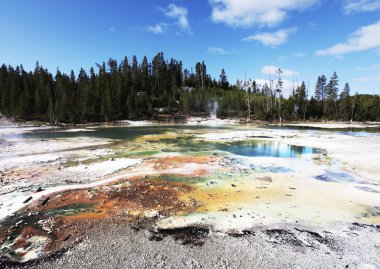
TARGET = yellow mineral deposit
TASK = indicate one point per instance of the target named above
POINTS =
(183, 176)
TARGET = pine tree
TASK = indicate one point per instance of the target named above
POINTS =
(125, 87)
(331, 107)
(26, 101)
(83, 95)
(140, 90)
(320, 95)
(223, 81)
(300, 101)
(114, 85)
(345, 107)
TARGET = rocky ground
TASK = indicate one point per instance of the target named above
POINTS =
(125, 246)
(118, 244)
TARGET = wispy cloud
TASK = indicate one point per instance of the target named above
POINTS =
(296, 54)
(312, 25)
(245, 13)
(287, 85)
(155, 29)
(373, 67)
(180, 14)
(219, 51)
(372, 73)
(367, 79)
(356, 6)
(366, 38)
(282, 57)
(271, 70)
(272, 39)
(299, 54)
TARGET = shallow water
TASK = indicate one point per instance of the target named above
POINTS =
(230, 185)
(254, 148)
(329, 176)
(182, 143)
(128, 132)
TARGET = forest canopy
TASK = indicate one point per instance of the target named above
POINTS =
(142, 90)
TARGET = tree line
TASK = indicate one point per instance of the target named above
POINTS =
(142, 90)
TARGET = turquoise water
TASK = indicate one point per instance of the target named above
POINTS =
(182, 143)
(131, 132)
(260, 148)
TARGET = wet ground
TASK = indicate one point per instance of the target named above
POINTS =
(184, 184)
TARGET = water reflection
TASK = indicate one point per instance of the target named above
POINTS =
(266, 149)
(183, 143)
(128, 132)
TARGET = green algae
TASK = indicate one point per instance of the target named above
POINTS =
(191, 180)
(73, 209)
(184, 144)
(138, 154)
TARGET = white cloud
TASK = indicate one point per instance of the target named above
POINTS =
(312, 24)
(299, 54)
(373, 67)
(271, 70)
(365, 38)
(272, 39)
(287, 85)
(219, 51)
(367, 79)
(282, 57)
(373, 71)
(155, 29)
(245, 13)
(180, 14)
(356, 6)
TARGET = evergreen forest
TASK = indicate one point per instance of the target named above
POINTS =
(144, 90)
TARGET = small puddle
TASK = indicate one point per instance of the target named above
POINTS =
(330, 176)
(271, 169)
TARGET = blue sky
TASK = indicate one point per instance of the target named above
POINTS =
(305, 38)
